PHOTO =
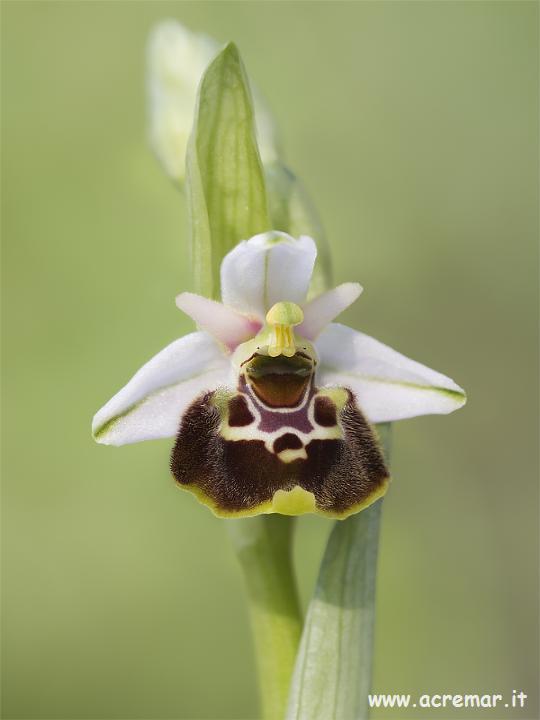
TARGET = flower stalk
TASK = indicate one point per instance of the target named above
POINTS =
(263, 547)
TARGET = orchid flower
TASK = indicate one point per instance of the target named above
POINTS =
(271, 402)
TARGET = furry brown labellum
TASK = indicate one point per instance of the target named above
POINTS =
(279, 444)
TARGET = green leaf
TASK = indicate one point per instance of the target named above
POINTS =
(332, 675)
(225, 181)
(293, 212)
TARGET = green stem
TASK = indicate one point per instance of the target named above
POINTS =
(263, 547)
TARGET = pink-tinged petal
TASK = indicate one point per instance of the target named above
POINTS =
(151, 404)
(269, 268)
(223, 323)
(319, 312)
(388, 386)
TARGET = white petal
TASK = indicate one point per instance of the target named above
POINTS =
(269, 268)
(388, 386)
(223, 323)
(151, 404)
(319, 312)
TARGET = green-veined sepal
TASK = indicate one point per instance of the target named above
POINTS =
(225, 181)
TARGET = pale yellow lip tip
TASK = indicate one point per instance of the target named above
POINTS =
(293, 502)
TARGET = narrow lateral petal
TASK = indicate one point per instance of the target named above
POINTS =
(388, 386)
(319, 312)
(223, 323)
(269, 268)
(151, 404)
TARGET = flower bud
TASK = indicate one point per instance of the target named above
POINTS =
(176, 61)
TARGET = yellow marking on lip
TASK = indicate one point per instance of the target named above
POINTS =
(293, 502)
(338, 395)
(286, 502)
(291, 454)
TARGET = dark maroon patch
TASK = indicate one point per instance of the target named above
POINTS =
(325, 412)
(272, 420)
(289, 441)
(239, 413)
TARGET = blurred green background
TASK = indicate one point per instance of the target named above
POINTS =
(414, 127)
